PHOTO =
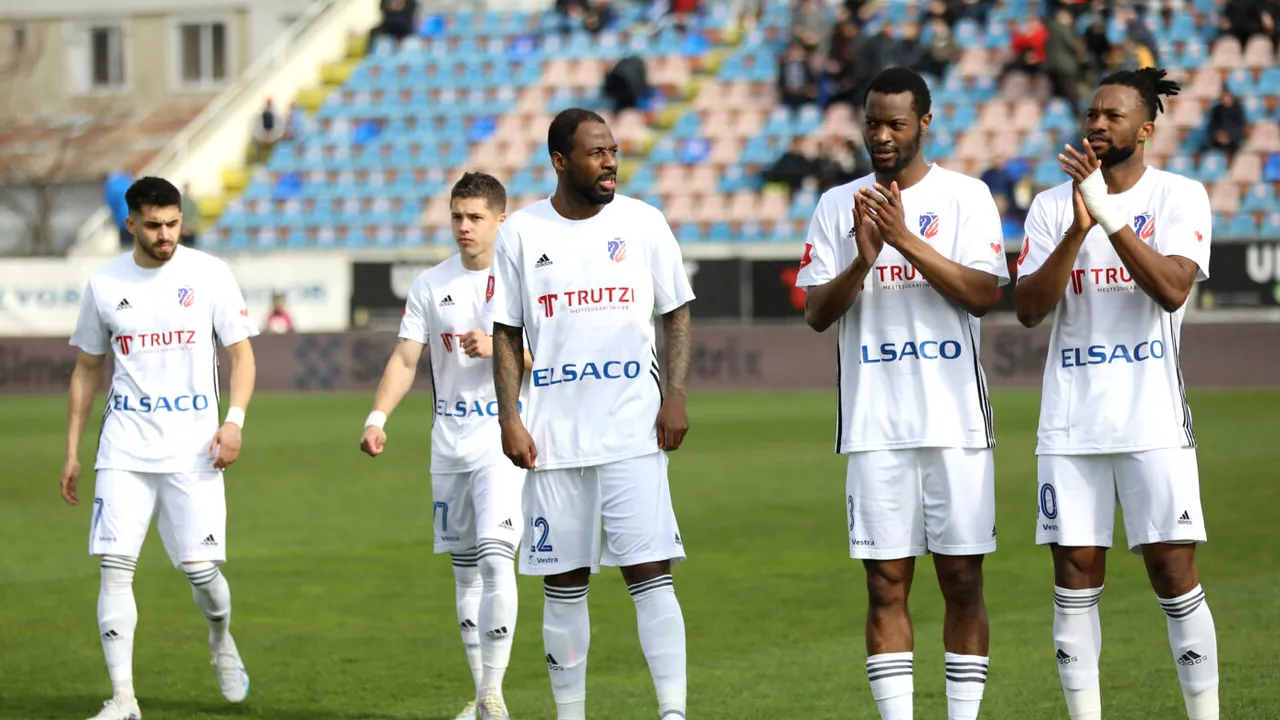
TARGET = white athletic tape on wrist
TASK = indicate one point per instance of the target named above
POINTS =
(1094, 190)
(235, 415)
(376, 419)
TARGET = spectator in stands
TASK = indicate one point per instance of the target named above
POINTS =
(842, 55)
(265, 132)
(910, 51)
(598, 16)
(841, 161)
(114, 186)
(279, 321)
(1063, 54)
(399, 18)
(794, 168)
(941, 51)
(999, 180)
(627, 83)
(190, 216)
(1242, 19)
(1028, 43)
(1097, 49)
(877, 53)
(809, 23)
(1225, 129)
(797, 82)
(1130, 55)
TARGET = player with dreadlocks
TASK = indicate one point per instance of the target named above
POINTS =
(1116, 250)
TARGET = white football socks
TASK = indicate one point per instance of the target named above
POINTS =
(470, 589)
(892, 684)
(499, 603)
(1077, 639)
(966, 679)
(662, 638)
(1195, 650)
(117, 620)
(566, 635)
(213, 596)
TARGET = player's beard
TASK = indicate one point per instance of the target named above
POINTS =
(591, 194)
(906, 155)
(158, 255)
(1116, 154)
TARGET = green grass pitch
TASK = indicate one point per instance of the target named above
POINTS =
(341, 610)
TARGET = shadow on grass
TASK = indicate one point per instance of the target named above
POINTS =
(74, 708)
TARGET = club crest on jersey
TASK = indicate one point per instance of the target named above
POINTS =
(1144, 225)
(186, 296)
(617, 249)
(929, 225)
(488, 290)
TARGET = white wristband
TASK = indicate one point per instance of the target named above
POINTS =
(1094, 190)
(376, 419)
(235, 415)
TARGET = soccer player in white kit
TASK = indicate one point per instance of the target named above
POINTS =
(160, 311)
(1116, 251)
(475, 489)
(907, 260)
(583, 273)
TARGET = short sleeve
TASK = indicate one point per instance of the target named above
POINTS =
(504, 295)
(671, 288)
(981, 236)
(818, 264)
(1190, 226)
(230, 314)
(414, 325)
(1039, 239)
(91, 334)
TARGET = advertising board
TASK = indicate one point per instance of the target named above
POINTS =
(1242, 275)
(40, 297)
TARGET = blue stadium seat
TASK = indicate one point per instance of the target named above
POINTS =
(1242, 226)
(1270, 225)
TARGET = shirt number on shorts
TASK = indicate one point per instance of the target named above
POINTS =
(441, 510)
(541, 525)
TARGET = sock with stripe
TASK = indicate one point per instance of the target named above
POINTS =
(892, 684)
(470, 589)
(1077, 641)
(213, 596)
(117, 620)
(566, 636)
(662, 638)
(966, 679)
(499, 602)
(1195, 650)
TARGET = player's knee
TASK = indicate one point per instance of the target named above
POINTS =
(887, 584)
(117, 572)
(961, 584)
(571, 579)
(496, 559)
(645, 572)
(200, 574)
(1172, 569)
(1078, 568)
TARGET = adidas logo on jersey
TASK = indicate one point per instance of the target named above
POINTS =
(543, 261)
(447, 301)
(209, 542)
(124, 305)
(1185, 519)
(853, 231)
(507, 524)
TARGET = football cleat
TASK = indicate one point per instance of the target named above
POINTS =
(468, 712)
(493, 708)
(232, 678)
(119, 708)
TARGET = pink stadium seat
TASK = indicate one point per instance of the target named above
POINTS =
(669, 71)
(533, 100)
(712, 206)
(557, 73)
(703, 180)
(1187, 114)
(1164, 142)
(511, 127)
(744, 207)
(1224, 197)
(773, 206)
(1026, 115)
(516, 155)
(717, 124)
(1258, 52)
(586, 74)
(629, 127)
(711, 96)
(1015, 86)
(680, 208)
(1227, 53)
(973, 62)
(973, 145)
(536, 129)
(1006, 143)
(1264, 137)
(485, 157)
(749, 123)
(1207, 84)
(725, 151)
(671, 180)
(524, 201)
(994, 115)
(436, 213)
(1246, 168)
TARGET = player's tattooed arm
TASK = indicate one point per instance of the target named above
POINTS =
(677, 327)
(508, 369)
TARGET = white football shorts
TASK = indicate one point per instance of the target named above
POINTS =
(190, 509)
(908, 503)
(617, 515)
(1158, 491)
(483, 504)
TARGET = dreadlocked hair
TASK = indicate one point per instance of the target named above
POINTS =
(1150, 84)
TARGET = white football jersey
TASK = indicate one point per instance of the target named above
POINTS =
(585, 292)
(446, 302)
(907, 357)
(162, 327)
(1112, 381)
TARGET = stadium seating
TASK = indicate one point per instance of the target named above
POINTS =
(476, 90)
